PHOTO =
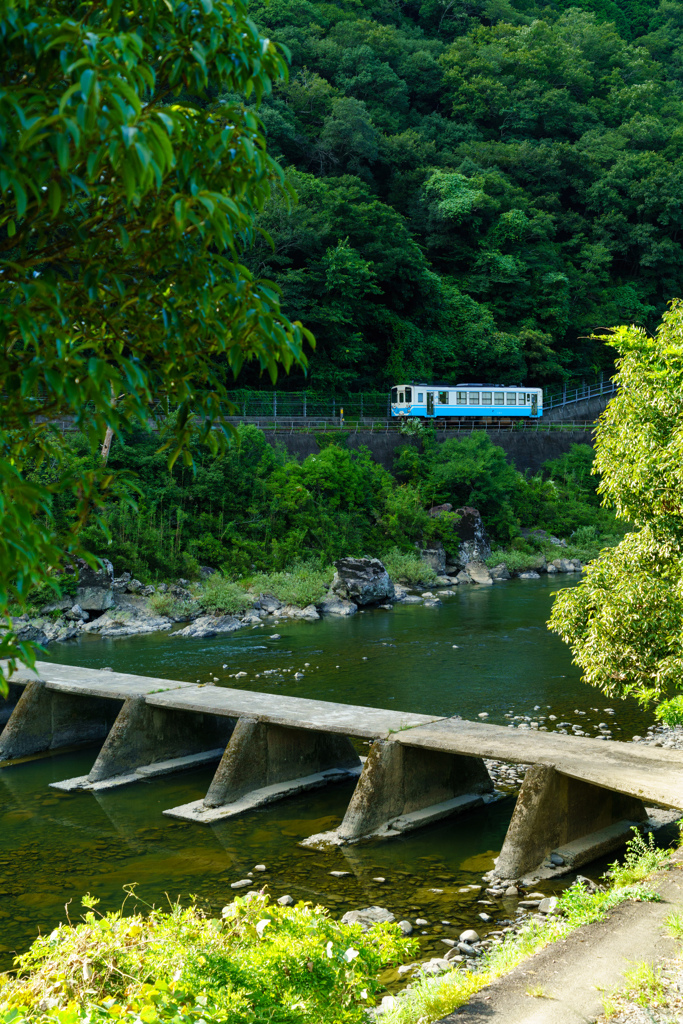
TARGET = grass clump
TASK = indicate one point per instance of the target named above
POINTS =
(221, 596)
(407, 567)
(260, 962)
(432, 998)
(515, 561)
(643, 985)
(303, 585)
(171, 607)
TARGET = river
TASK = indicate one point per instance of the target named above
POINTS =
(485, 649)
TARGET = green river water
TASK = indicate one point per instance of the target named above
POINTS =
(485, 649)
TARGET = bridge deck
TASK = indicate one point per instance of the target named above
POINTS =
(653, 774)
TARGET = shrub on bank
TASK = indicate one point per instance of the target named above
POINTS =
(260, 962)
(221, 596)
(304, 585)
(407, 567)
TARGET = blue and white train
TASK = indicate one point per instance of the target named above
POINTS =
(488, 402)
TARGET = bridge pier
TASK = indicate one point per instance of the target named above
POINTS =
(147, 741)
(8, 705)
(264, 762)
(44, 719)
(403, 788)
(575, 820)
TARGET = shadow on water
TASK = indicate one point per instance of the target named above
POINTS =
(56, 846)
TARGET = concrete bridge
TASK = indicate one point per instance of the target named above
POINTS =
(580, 797)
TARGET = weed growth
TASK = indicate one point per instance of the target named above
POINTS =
(221, 596)
(305, 584)
(407, 567)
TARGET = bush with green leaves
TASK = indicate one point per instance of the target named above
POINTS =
(407, 567)
(303, 584)
(259, 962)
(221, 596)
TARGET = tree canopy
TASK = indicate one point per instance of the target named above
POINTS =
(624, 622)
(131, 168)
(503, 179)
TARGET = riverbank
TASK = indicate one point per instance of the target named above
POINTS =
(124, 606)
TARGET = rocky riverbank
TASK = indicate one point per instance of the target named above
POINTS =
(124, 606)
(118, 606)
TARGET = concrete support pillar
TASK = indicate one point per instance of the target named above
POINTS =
(404, 787)
(265, 762)
(144, 735)
(48, 719)
(8, 703)
(557, 814)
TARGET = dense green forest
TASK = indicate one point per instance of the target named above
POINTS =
(257, 508)
(482, 183)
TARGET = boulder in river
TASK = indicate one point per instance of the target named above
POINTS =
(210, 625)
(474, 542)
(500, 572)
(95, 591)
(333, 605)
(367, 917)
(362, 580)
(479, 573)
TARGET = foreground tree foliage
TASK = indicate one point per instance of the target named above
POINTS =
(624, 622)
(127, 197)
(259, 962)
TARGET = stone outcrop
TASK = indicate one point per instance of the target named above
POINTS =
(474, 542)
(500, 572)
(127, 619)
(209, 625)
(364, 581)
(479, 573)
(95, 586)
(435, 558)
(333, 605)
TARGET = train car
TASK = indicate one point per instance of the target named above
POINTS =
(486, 402)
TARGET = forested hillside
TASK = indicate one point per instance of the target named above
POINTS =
(481, 185)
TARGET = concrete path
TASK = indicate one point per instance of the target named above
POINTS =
(575, 973)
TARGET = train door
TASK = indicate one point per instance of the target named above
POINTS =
(430, 403)
(534, 405)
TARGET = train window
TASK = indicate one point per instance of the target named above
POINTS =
(486, 398)
(420, 397)
(409, 394)
(461, 398)
(443, 398)
(400, 398)
(499, 398)
(394, 396)
(474, 398)
(521, 399)
(510, 398)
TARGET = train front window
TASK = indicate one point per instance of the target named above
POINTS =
(474, 398)
(486, 398)
(461, 398)
(499, 398)
(409, 394)
(443, 398)
(394, 396)
(510, 398)
(400, 398)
